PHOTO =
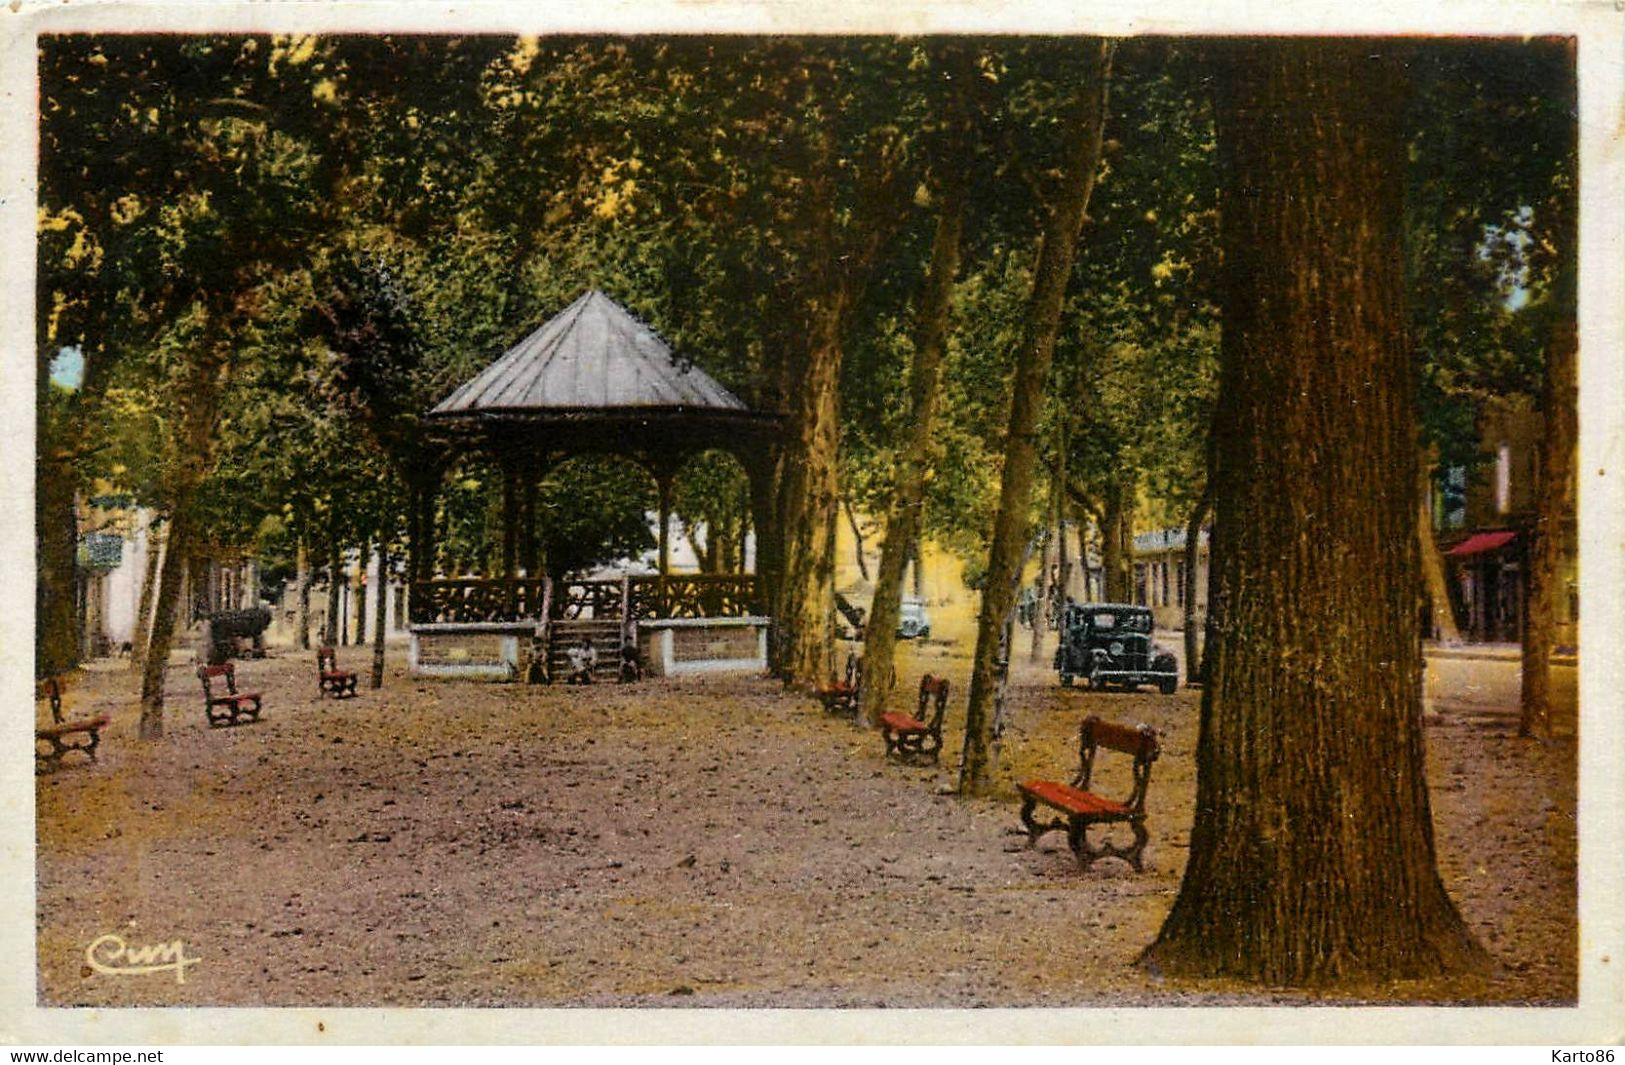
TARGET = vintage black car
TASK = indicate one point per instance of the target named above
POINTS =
(1109, 645)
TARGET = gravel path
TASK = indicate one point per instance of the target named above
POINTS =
(680, 843)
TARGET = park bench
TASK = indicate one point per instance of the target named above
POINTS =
(330, 679)
(55, 741)
(232, 707)
(841, 696)
(910, 738)
(1080, 808)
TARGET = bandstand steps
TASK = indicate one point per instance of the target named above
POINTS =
(606, 640)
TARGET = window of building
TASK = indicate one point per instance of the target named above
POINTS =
(1452, 498)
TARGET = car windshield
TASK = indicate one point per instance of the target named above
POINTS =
(1125, 622)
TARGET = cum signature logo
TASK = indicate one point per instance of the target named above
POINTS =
(112, 956)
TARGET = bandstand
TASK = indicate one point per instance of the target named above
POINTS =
(592, 380)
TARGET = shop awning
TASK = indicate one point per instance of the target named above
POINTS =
(1478, 543)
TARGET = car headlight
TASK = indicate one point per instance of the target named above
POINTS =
(1116, 648)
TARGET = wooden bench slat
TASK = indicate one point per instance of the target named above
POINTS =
(1124, 738)
(66, 727)
(902, 722)
(1070, 799)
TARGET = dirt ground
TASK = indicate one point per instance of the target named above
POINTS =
(698, 842)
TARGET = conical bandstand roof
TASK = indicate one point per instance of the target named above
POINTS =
(593, 357)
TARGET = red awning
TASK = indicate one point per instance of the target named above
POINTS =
(1478, 543)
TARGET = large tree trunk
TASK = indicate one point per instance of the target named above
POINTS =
(809, 498)
(149, 592)
(1312, 858)
(1553, 507)
(1193, 557)
(171, 575)
(905, 521)
(1117, 543)
(194, 448)
(1085, 124)
(1434, 584)
(56, 539)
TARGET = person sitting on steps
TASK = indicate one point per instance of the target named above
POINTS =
(631, 668)
(582, 659)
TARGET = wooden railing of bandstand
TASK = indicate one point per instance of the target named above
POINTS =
(473, 600)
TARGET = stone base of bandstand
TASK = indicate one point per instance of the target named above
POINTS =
(682, 646)
(471, 650)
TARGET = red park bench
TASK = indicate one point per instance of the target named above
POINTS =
(841, 696)
(1082, 808)
(55, 741)
(330, 679)
(234, 706)
(909, 738)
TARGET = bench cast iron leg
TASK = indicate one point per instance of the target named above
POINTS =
(1034, 830)
(1141, 837)
(1077, 837)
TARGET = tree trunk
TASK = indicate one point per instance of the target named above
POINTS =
(1116, 544)
(1311, 857)
(1083, 554)
(380, 615)
(1554, 505)
(335, 581)
(1085, 124)
(56, 537)
(1063, 554)
(809, 494)
(1193, 558)
(806, 588)
(171, 575)
(905, 520)
(149, 592)
(1435, 586)
(303, 590)
(193, 446)
(1041, 592)
(857, 538)
(361, 587)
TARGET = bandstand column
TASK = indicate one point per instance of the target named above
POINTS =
(759, 469)
(663, 481)
(510, 518)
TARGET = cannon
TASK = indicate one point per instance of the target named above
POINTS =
(237, 633)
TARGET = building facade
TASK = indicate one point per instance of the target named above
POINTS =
(1482, 520)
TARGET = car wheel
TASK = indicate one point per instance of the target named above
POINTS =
(925, 633)
(1168, 685)
(1066, 680)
